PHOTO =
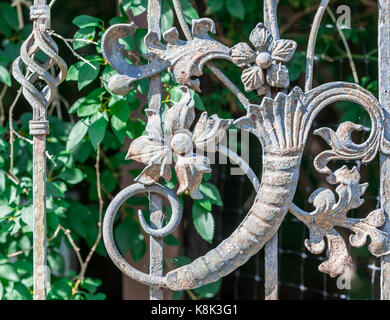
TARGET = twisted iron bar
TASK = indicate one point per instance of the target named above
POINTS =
(35, 73)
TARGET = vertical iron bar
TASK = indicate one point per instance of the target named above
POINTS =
(271, 247)
(156, 214)
(39, 201)
(27, 71)
(271, 269)
(156, 245)
(39, 205)
(384, 99)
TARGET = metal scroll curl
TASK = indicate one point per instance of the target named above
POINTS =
(137, 188)
(108, 224)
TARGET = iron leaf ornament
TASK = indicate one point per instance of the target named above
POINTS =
(282, 123)
(330, 213)
(185, 59)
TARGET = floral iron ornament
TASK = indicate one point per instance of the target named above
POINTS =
(265, 65)
(157, 149)
(281, 122)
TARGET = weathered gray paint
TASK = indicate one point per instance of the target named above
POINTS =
(271, 250)
(384, 99)
(39, 40)
(281, 122)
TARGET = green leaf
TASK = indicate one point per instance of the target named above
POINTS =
(236, 8)
(53, 189)
(73, 72)
(5, 210)
(209, 290)
(117, 20)
(8, 272)
(171, 240)
(5, 77)
(84, 34)
(177, 295)
(121, 110)
(98, 296)
(1, 290)
(9, 15)
(136, 6)
(2, 181)
(127, 42)
(76, 135)
(85, 21)
(97, 130)
(91, 284)
(87, 74)
(18, 291)
(61, 290)
(205, 204)
(189, 11)
(180, 261)
(127, 234)
(121, 114)
(5, 29)
(23, 291)
(72, 175)
(214, 6)
(198, 101)
(211, 192)
(119, 128)
(166, 17)
(23, 267)
(88, 107)
(56, 262)
(75, 106)
(203, 222)
(25, 242)
(27, 215)
(140, 43)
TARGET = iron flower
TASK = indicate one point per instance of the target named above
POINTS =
(265, 65)
(177, 142)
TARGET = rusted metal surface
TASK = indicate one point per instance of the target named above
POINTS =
(281, 122)
(384, 98)
(39, 40)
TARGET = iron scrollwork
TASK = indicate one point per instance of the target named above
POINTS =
(281, 122)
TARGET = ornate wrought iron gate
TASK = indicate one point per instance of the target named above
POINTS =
(281, 122)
